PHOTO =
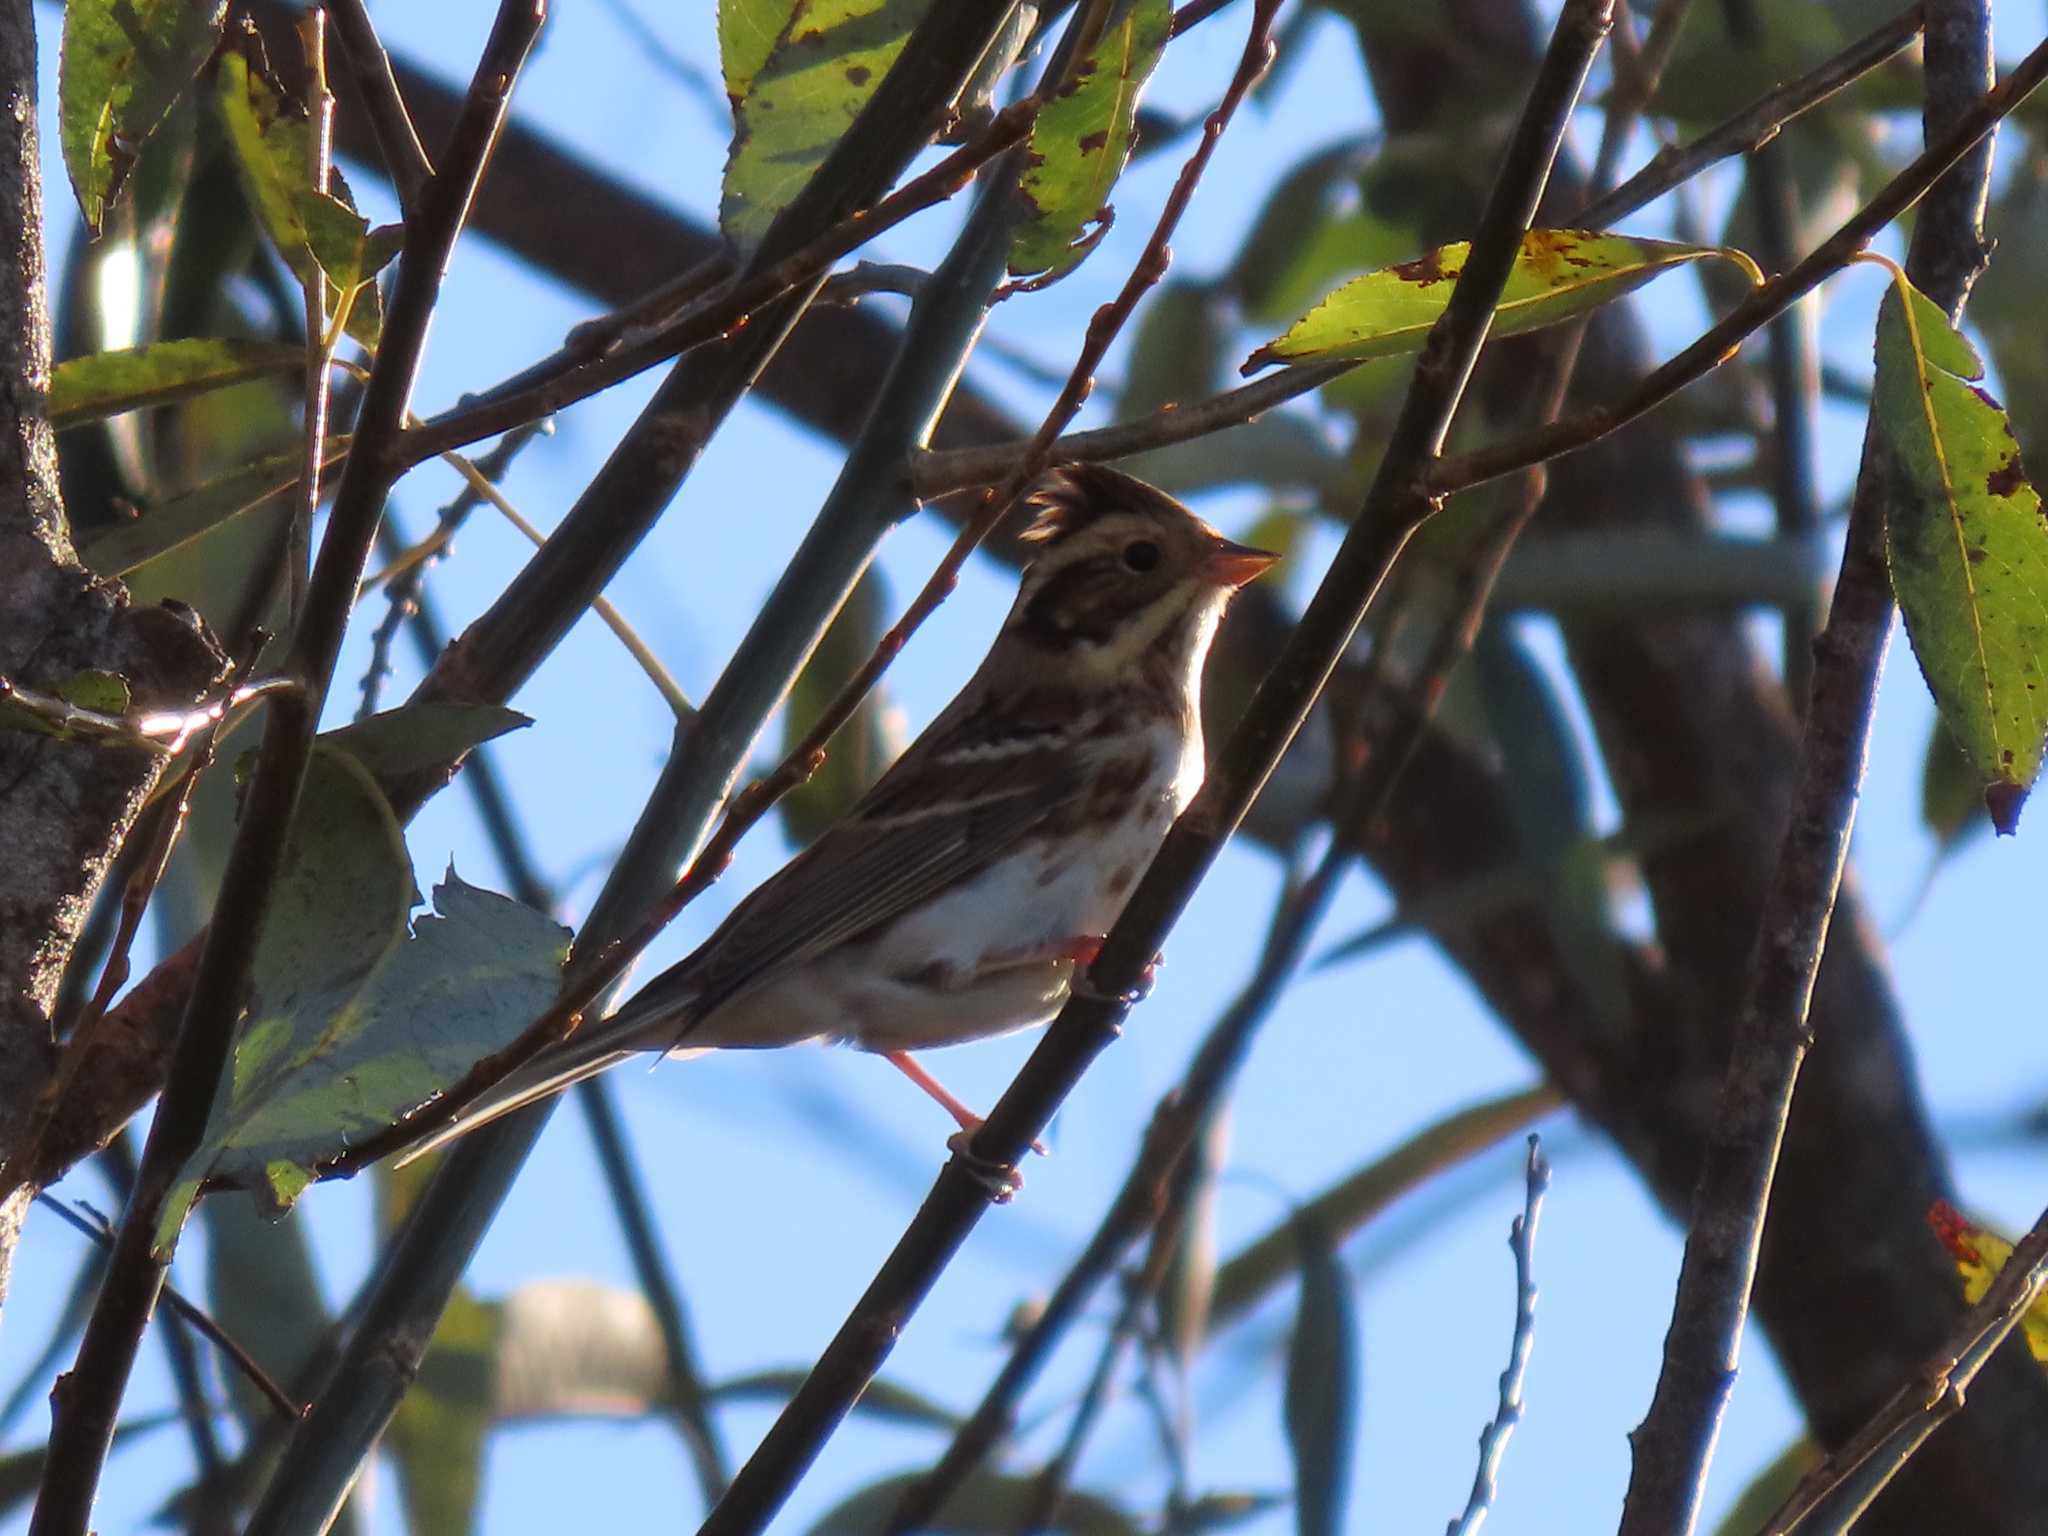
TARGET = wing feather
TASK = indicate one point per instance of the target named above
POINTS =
(938, 817)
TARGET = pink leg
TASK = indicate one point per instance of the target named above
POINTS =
(968, 1121)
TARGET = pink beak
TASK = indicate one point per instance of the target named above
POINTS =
(1232, 565)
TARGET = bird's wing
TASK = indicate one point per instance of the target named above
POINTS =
(960, 798)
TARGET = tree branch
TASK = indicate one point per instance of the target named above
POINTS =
(1675, 1443)
(86, 1400)
(1090, 1019)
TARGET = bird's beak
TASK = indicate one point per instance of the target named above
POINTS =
(1232, 565)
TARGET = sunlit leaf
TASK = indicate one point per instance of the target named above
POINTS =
(1979, 1255)
(1968, 547)
(1559, 273)
(747, 30)
(177, 521)
(122, 65)
(1321, 1405)
(985, 1504)
(578, 1347)
(824, 64)
(1082, 139)
(313, 231)
(103, 384)
(351, 1023)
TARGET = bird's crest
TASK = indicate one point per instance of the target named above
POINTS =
(1069, 497)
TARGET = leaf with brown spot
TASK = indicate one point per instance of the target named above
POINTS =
(798, 94)
(1968, 548)
(1558, 273)
(1081, 142)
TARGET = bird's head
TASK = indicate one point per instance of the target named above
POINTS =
(1123, 575)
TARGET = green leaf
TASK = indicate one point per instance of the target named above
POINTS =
(824, 64)
(313, 231)
(1968, 547)
(176, 522)
(1558, 274)
(122, 65)
(333, 1066)
(1951, 797)
(985, 1504)
(412, 737)
(1082, 139)
(747, 30)
(338, 911)
(263, 1288)
(868, 742)
(104, 384)
(437, 1436)
(578, 1347)
(1320, 1405)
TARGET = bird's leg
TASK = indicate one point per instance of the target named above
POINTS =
(968, 1121)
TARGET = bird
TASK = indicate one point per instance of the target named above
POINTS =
(958, 897)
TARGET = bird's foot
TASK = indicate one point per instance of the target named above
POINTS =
(1084, 950)
(1001, 1180)
(968, 1121)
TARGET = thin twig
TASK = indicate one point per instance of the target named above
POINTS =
(1674, 1445)
(1757, 124)
(417, 1275)
(1091, 1017)
(192, 1312)
(1964, 133)
(1849, 1479)
(1493, 1440)
(319, 348)
(1794, 367)
(606, 965)
(603, 352)
(405, 160)
(86, 1401)
(937, 472)
(404, 588)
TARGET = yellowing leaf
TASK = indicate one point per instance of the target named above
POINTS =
(824, 65)
(1559, 273)
(1082, 139)
(314, 231)
(122, 66)
(1968, 548)
(1979, 1255)
(103, 384)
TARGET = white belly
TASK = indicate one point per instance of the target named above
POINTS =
(953, 970)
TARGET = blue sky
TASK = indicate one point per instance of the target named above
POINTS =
(783, 1178)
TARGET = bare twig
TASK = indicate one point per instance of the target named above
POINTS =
(95, 1227)
(1090, 1019)
(405, 161)
(319, 348)
(1962, 134)
(1849, 1479)
(936, 472)
(1493, 1440)
(1673, 1447)
(86, 1400)
(602, 352)
(1794, 367)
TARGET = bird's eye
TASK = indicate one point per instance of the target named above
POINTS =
(1141, 555)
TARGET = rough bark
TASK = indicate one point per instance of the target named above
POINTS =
(64, 807)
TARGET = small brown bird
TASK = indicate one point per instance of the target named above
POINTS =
(956, 898)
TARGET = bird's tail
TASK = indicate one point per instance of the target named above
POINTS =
(647, 1022)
